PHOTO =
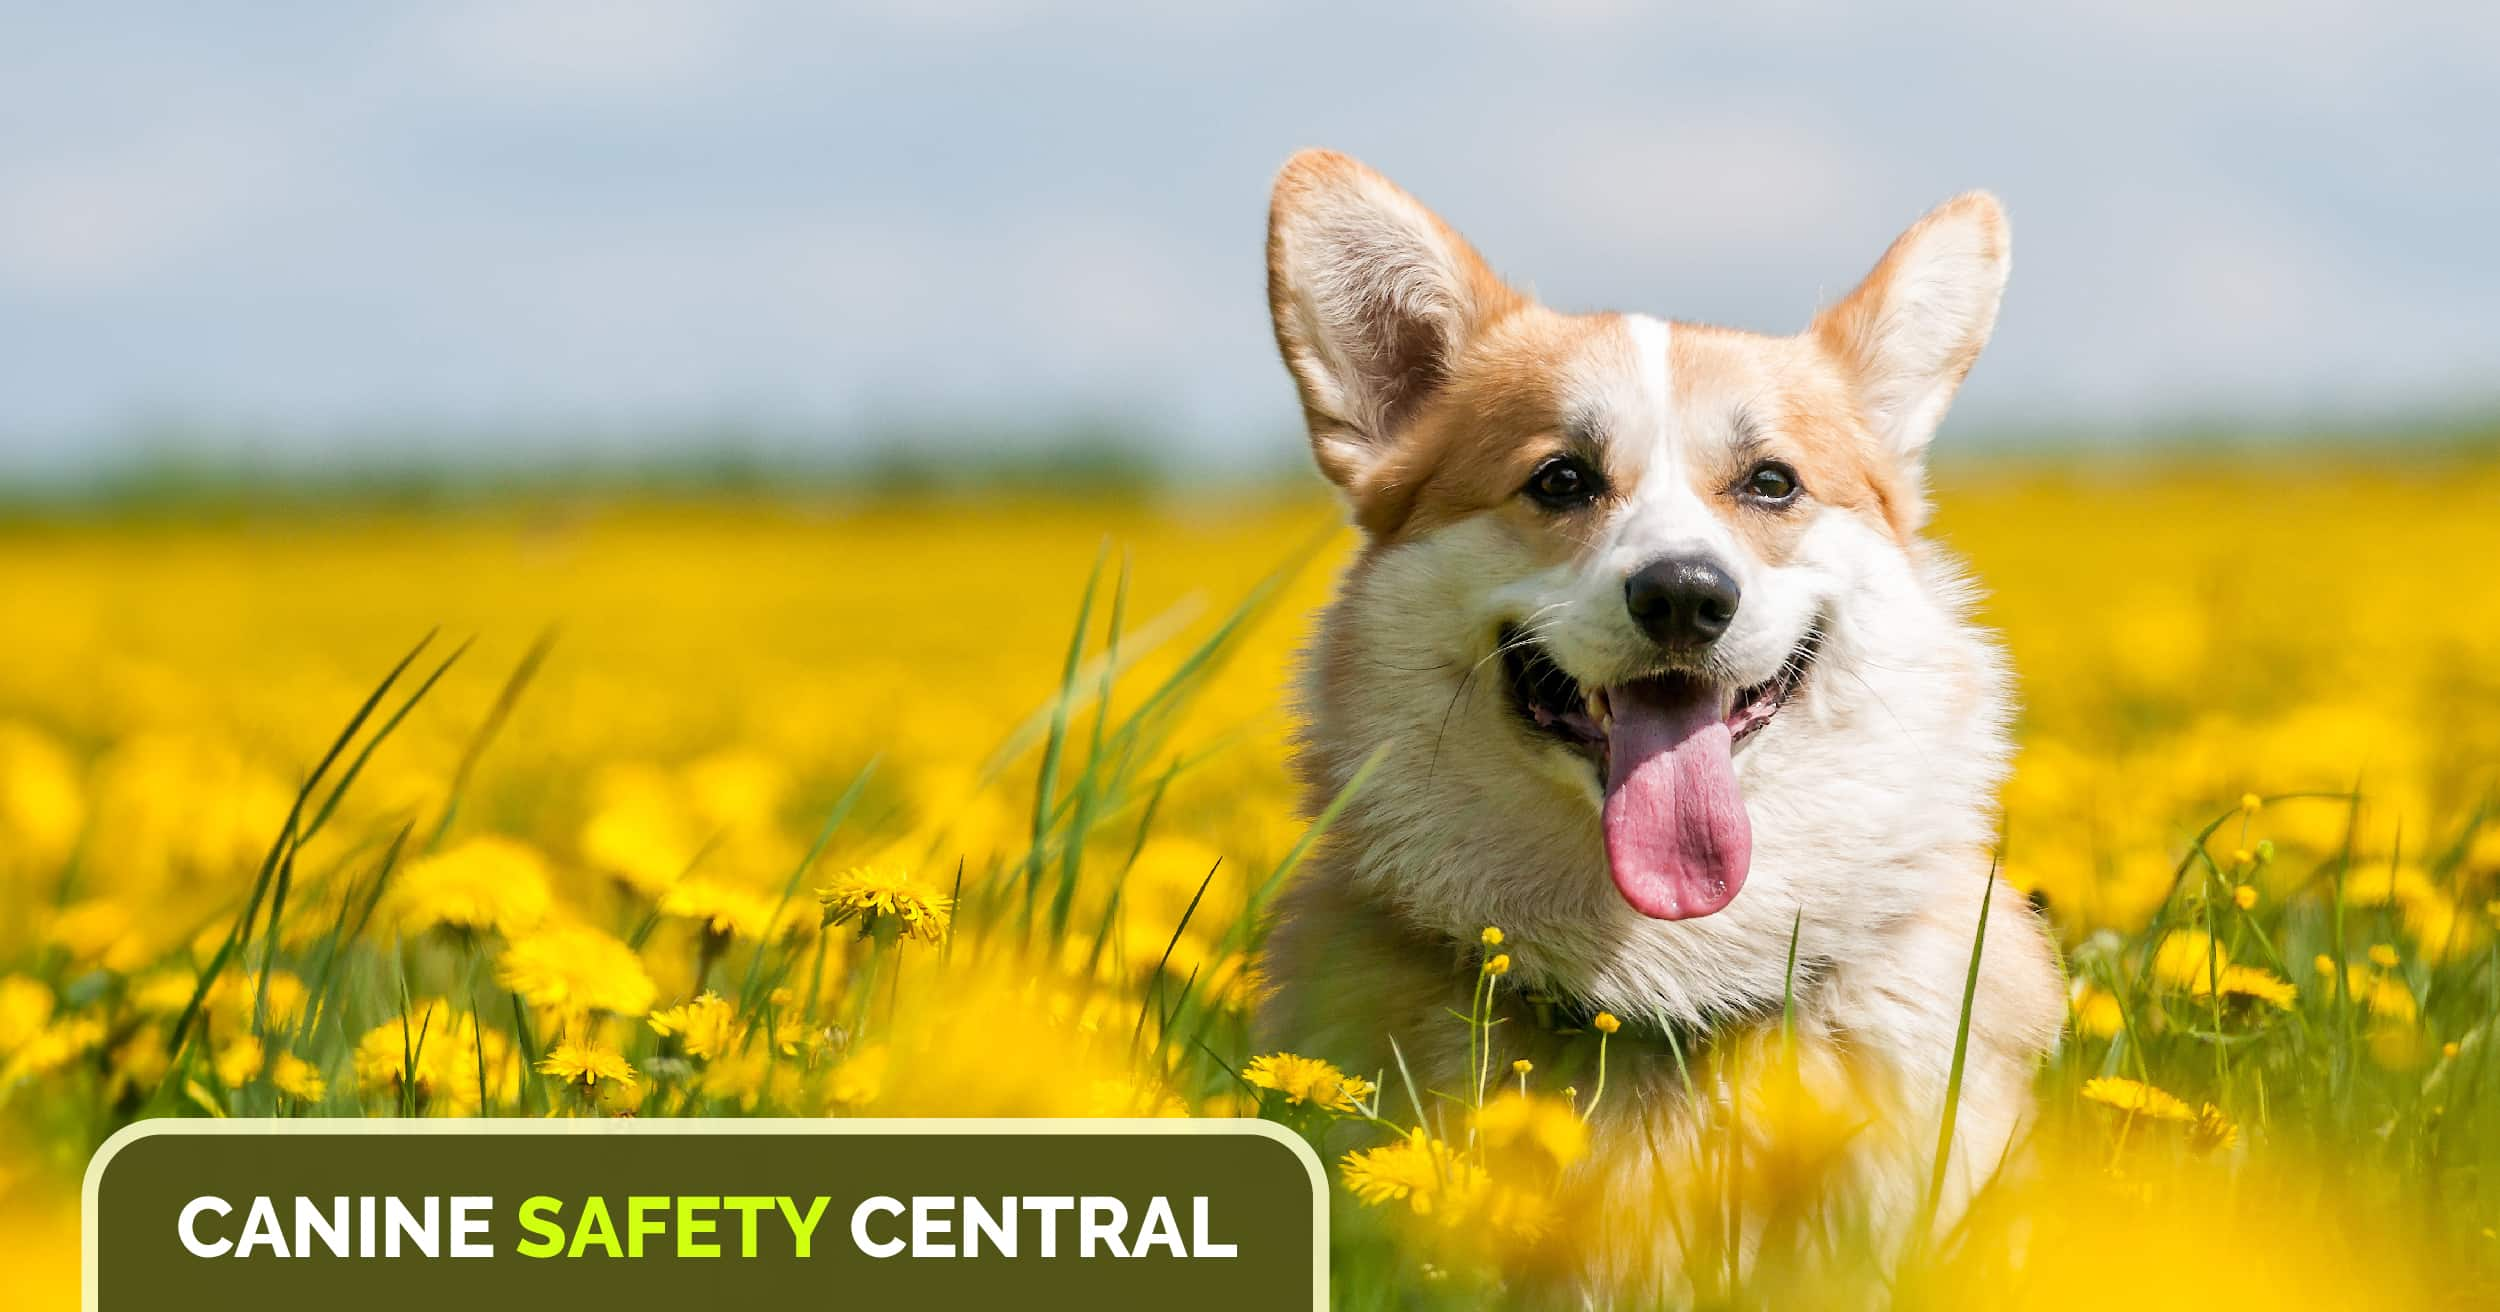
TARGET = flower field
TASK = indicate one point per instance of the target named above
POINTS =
(735, 806)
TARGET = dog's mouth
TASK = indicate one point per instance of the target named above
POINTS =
(1678, 840)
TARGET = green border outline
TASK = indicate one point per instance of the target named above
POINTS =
(629, 1127)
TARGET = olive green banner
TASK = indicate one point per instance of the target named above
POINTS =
(469, 1215)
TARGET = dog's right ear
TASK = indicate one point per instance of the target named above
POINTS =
(1373, 296)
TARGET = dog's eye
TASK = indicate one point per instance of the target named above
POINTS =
(1772, 482)
(1564, 483)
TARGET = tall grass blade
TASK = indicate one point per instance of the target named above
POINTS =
(1953, 1075)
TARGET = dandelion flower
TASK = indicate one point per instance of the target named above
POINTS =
(575, 968)
(2252, 982)
(587, 1062)
(2213, 1131)
(887, 897)
(706, 1027)
(298, 1078)
(1498, 964)
(2137, 1099)
(2188, 957)
(1528, 1121)
(1491, 937)
(1419, 1170)
(2097, 1012)
(483, 884)
(2389, 1000)
(430, 1052)
(2383, 956)
(1308, 1080)
(238, 1061)
(63, 1041)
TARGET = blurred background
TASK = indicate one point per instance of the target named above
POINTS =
(642, 234)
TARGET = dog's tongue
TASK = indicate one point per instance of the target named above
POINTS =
(1676, 833)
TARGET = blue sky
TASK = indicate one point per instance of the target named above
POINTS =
(327, 231)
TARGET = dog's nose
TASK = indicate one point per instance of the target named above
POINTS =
(1681, 601)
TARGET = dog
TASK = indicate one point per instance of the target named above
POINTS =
(1646, 662)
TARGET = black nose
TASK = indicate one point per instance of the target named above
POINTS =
(1681, 601)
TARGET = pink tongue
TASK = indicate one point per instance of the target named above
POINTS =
(1676, 833)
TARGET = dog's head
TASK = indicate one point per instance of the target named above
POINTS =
(1620, 560)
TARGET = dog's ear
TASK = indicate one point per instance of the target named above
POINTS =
(1911, 330)
(1373, 296)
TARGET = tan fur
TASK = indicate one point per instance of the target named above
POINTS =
(1794, 398)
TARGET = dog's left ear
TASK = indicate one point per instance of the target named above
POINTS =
(1911, 330)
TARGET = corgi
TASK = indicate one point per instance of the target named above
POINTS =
(1647, 663)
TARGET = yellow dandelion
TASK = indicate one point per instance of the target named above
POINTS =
(237, 1061)
(1522, 1121)
(2389, 1000)
(65, 1040)
(2383, 956)
(1308, 1080)
(793, 1035)
(587, 1062)
(2188, 957)
(2252, 982)
(298, 1078)
(2096, 1012)
(2324, 965)
(886, 899)
(2137, 1099)
(2212, 1131)
(487, 883)
(574, 968)
(1420, 1171)
(706, 1027)
(1498, 964)
(1491, 937)
(433, 1053)
(237, 996)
